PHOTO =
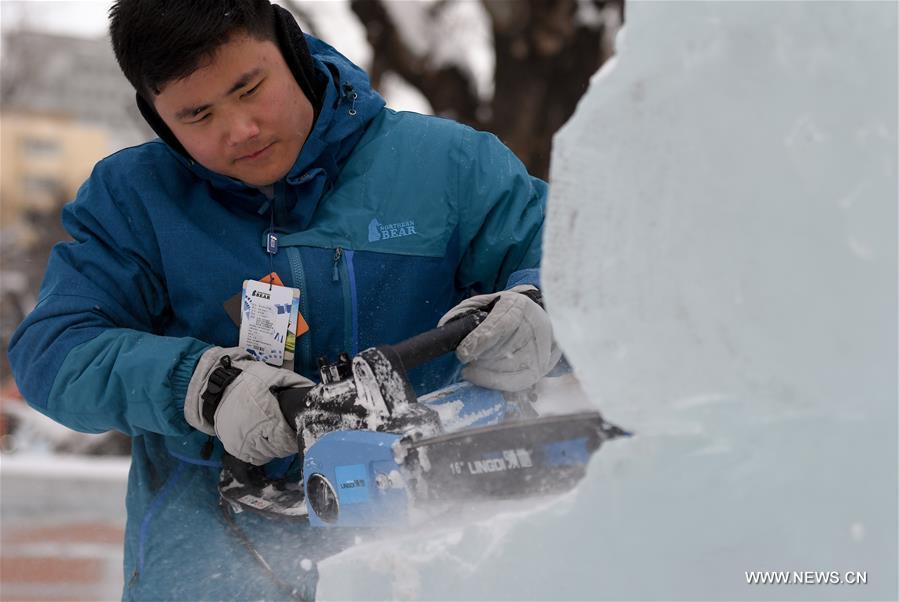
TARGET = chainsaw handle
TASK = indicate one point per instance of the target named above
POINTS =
(412, 352)
(430, 345)
(292, 402)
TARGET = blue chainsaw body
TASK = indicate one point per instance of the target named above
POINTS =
(376, 455)
(359, 466)
(358, 479)
(353, 464)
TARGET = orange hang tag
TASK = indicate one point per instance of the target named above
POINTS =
(296, 328)
(272, 279)
(302, 327)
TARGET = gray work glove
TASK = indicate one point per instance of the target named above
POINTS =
(513, 348)
(247, 419)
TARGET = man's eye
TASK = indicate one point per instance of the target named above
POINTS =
(251, 91)
(202, 118)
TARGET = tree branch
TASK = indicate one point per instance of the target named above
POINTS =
(449, 90)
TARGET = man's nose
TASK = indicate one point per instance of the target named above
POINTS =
(241, 128)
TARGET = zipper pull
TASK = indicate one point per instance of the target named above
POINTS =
(335, 273)
(271, 243)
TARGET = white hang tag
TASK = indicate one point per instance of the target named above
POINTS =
(264, 318)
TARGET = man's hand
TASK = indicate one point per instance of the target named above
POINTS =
(234, 397)
(513, 348)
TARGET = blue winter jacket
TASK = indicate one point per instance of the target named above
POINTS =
(386, 220)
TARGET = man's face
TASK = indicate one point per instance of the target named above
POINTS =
(242, 114)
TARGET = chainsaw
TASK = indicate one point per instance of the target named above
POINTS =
(374, 455)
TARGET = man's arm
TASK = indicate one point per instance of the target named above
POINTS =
(501, 226)
(501, 212)
(87, 355)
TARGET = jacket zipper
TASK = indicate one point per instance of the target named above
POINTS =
(303, 356)
(304, 343)
(343, 262)
(335, 271)
(354, 305)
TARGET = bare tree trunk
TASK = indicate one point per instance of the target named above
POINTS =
(449, 90)
(545, 50)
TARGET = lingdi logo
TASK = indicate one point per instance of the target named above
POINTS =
(378, 231)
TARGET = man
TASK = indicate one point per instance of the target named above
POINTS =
(275, 156)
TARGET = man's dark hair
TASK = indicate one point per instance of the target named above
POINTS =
(160, 41)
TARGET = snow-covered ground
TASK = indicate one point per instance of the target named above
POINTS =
(46, 488)
(61, 524)
(721, 268)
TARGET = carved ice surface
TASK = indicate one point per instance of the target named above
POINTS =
(720, 266)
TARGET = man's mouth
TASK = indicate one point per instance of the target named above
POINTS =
(256, 154)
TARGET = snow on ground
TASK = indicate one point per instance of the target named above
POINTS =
(60, 466)
(48, 488)
(61, 526)
(721, 268)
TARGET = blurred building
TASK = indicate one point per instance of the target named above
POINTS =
(64, 105)
(78, 77)
(45, 158)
